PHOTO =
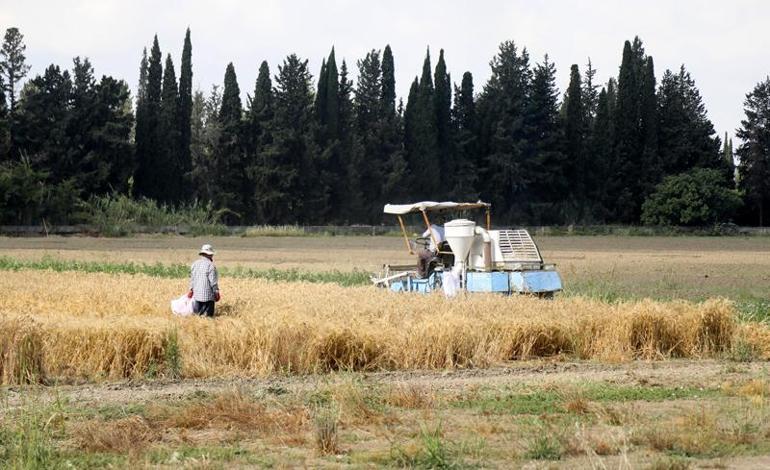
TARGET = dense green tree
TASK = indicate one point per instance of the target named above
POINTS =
(168, 164)
(465, 141)
(229, 168)
(184, 116)
(205, 135)
(13, 68)
(698, 197)
(687, 136)
(590, 93)
(503, 107)
(421, 139)
(111, 134)
(368, 165)
(728, 158)
(754, 151)
(148, 137)
(5, 129)
(293, 150)
(351, 152)
(546, 166)
(43, 114)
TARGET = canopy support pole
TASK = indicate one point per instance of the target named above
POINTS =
(406, 237)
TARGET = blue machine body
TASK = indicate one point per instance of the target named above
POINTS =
(502, 282)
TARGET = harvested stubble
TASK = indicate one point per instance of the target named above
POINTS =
(103, 325)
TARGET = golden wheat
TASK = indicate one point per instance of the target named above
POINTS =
(108, 326)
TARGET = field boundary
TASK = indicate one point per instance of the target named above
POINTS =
(379, 230)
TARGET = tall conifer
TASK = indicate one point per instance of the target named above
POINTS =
(184, 115)
(168, 167)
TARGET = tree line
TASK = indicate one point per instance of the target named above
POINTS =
(331, 150)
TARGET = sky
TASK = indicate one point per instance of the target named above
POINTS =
(724, 44)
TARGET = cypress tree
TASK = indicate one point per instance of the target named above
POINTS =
(442, 101)
(263, 172)
(575, 130)
(228, 165)
(395, 171)
(141, 132)
(184, 116)
(368, 110)
(351, 152)
(423, 157)
(601, 153)
(320, 97)
(168, 168)
(148, 158)
(332, 98)
(651, 173)
(388, 83)
(464, 127)
(629, 174)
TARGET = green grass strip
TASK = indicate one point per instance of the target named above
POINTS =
(181, 271)
(552, 401)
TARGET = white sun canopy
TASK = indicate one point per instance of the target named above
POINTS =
(432, 206)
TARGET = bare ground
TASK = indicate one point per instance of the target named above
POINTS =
(536, 373)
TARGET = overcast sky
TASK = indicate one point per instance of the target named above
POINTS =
(724, 44)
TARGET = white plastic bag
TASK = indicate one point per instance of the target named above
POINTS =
(182, 306)
(451, 283)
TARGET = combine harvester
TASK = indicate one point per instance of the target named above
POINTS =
(471, 258)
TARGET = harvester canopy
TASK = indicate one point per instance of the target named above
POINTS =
(432, 206)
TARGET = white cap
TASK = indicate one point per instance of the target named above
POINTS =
(207, 250)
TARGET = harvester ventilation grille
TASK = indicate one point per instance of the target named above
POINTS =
(518, 247)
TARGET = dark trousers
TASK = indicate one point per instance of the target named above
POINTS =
(204, 309)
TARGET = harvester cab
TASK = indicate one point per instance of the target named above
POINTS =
(466, 255)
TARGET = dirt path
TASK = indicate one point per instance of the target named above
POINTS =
(673, 373)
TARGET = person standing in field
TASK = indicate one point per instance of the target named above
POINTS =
(204, 283)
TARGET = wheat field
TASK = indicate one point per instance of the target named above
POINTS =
(75, 326)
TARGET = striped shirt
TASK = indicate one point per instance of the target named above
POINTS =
(204, 280)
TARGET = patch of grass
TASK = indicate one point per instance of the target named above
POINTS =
(743, 351)
(27, 440)
(559, 401)
(186, 455)
(326, 430)
(544, 447)
(172, 355)
(434, 451)
(754, 310)
(670, 463)
(181, 271)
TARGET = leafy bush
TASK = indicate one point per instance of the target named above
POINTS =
(120, 215)
(699, 197)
